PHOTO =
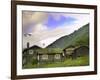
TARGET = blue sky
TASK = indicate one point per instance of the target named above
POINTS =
(52, 23)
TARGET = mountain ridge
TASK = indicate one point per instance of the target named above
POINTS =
(72, 38)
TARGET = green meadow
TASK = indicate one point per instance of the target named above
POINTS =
(79, 61)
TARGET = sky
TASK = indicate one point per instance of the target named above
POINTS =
(47, 19)
(47, 27)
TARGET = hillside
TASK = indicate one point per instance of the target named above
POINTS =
(79, 37)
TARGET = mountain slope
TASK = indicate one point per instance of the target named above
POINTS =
(79, 37)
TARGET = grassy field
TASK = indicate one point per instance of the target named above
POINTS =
(80, 61)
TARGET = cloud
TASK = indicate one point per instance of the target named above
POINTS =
(33, 17)
(39, 28)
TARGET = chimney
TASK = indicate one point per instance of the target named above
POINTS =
(27, 45)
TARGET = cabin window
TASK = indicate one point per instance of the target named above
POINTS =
(70, 50)
(57, 56)
(30, 51)
(44, 57)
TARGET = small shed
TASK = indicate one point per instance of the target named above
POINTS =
(76, 51)
(81, 51)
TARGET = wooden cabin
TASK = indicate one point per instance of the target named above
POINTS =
(49, 55)
(42, 55)
(80, 51)
(29, 54)
(76, 51)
